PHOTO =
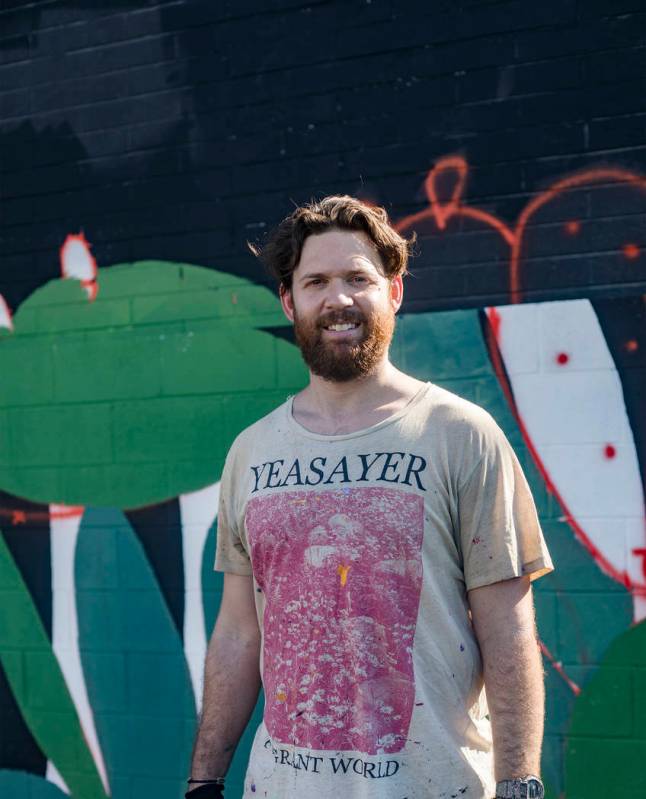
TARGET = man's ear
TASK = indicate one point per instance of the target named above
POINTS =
(286, 301)
(396, 292)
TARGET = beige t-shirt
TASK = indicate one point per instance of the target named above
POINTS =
(362, 548)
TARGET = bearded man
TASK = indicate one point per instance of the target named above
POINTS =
(378, 540)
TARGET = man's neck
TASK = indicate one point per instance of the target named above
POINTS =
(331, 408)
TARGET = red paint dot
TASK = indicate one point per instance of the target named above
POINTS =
(562, 358)
(630, 251)
(572, 228)
(631, 345)
(609, 451)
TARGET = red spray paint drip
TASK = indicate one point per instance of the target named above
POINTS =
(562, 358)
(572, 228)
(610, 451)
(631, 251)
(631, 345)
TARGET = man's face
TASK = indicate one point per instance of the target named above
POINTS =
(342, 306)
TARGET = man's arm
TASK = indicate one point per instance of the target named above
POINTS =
(231, 679)
(503, 620)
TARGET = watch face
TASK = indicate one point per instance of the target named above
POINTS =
(535, 789)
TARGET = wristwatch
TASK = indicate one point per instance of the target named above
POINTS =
(528, 787)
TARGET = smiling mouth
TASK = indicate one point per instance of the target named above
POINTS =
(342, 327)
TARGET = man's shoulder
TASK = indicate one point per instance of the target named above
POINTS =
(269, 424)
(454, 412)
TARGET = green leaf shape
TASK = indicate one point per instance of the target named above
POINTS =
(38, 684)
(136, 397)
(606, 746)
(579, 610)
(21, 785)
(136, 673)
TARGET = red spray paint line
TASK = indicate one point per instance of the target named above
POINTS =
(557, 665)
(492, 342)
(21, 516)
(441, 210)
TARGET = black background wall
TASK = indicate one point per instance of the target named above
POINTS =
(179, 130)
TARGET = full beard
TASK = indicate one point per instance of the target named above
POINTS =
(341, 361)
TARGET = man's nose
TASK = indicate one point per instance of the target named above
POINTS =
(338, 296)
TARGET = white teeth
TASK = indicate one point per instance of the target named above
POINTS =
(342, 327)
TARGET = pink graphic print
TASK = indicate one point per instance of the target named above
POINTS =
(342, 574)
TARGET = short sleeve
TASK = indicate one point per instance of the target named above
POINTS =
(500, 534)
(230, 553)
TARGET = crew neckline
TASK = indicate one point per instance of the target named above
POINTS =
(364, 431)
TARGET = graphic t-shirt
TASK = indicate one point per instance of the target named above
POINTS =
(362, 549)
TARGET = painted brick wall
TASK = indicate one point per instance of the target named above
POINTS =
(508, 135)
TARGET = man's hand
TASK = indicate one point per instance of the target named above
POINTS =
(503, 620)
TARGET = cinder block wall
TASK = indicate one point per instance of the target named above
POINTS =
(508, 135)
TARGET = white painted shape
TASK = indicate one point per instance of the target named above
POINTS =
(571, 413)
(519, 332)
(639, 607)
(564, 327)
(573, 408)
(52, 775)
(198, 511)
(5, 314)
(595, 485)
(76, 261)
(609, 535)
(64, 535)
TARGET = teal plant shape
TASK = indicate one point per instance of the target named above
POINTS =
(133, 660)
(39, 687)
(21, 785)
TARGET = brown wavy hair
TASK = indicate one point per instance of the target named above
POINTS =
(282, 250)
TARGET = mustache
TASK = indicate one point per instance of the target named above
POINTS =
(340, 318)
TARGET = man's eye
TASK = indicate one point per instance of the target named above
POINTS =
(359, 279)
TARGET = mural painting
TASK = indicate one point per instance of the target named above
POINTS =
(124, 387)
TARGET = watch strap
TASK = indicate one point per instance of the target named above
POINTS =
(529, 787)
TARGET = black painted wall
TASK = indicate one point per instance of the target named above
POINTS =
(178, 130)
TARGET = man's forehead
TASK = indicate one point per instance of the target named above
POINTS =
(337, 248)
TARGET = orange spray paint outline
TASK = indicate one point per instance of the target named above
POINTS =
(441, 211)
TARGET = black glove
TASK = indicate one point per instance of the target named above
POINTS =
(210, 790)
